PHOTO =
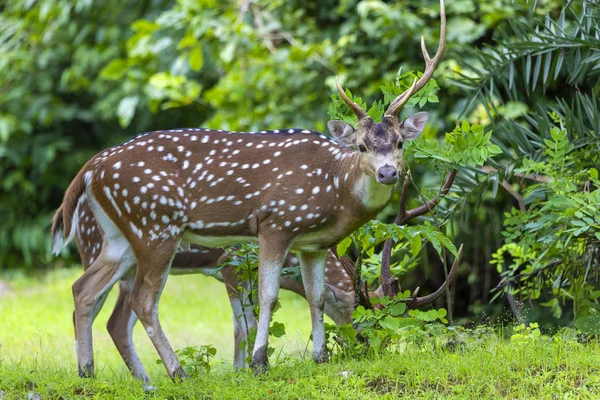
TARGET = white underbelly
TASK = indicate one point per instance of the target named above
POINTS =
(217, 241)
(313, 241)
(214, 272)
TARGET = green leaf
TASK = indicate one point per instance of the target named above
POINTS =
(397, 309)
(228, 52)
(415, 245)
(115, 70)
(494, 150)
(465, 127)
(343, 246)
(589, 324)
(196, 59)
(359, 312)
(144, 26)
(409, 322)
(187, 41)
(126, 110)
(390, 323)
(478, 129)
(277, 329)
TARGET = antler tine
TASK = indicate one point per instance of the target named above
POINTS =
(422, 301)
(356, 109)
(430, 66)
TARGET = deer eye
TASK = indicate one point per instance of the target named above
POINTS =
(362, 148)
(400, 144)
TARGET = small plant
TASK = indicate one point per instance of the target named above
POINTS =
(195, 359)
(526, 333)
(552, 243)
(386, 327)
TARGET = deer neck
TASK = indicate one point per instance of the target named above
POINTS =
(363, 190)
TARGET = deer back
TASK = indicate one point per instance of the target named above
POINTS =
(219, 188)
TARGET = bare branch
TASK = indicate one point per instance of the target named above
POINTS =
(537, 178)
(431, 204)
(261, 26)
(403, 197)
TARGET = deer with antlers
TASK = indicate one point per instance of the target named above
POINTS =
(284, 189)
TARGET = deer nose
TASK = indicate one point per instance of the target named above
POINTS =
(387, 174)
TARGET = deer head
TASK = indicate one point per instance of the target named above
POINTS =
(380, 143)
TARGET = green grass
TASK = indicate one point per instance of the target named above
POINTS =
(36, 355)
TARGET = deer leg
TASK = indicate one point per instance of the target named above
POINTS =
(90, 291)
(312, 267)
(243, 315)
(271, 257)
(151, 275)
(120, 327)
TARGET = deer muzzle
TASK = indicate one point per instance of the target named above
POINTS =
(388, 174)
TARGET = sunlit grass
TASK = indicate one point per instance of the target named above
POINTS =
(36, 322)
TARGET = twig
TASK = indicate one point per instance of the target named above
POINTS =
(537, 178)
(261, 26)
(356, 280)
(243, 10)
(508, 280)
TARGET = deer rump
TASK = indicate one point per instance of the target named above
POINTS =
(196, 259)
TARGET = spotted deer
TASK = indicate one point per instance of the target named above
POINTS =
(286, 190)
(339, 294)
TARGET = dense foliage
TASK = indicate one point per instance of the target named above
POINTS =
(76, 77)
(551, 249)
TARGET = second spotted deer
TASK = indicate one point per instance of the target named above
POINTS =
(284, 189)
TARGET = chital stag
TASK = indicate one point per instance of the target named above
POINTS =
(339, 296)
(285, 189)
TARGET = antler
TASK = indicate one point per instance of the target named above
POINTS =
(422, 301)
(430, 66)
(356, 109)
(416, 302)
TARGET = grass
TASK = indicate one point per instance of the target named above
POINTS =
(36, 355)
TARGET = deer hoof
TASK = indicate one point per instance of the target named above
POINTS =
(259, 361)
(149, 388)
(259, 369)
(87, 371)
(321, 356)
(179, 374)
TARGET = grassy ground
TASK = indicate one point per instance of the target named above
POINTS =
(36, 356)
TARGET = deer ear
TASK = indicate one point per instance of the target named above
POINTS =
(342, 132)
(413, 126)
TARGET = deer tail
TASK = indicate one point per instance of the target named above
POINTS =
(57, 231)
(65, 218)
